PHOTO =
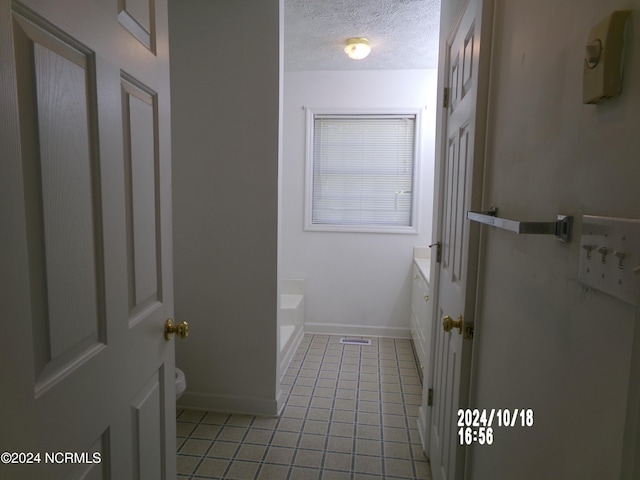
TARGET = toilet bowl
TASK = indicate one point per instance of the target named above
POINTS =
(181, 383)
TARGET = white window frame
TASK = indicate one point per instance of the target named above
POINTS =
(308, 215)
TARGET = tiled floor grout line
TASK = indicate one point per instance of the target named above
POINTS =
(304, 420)
(354, 444)
(335, 382)
(406, 421)
(286, 405)
(381, 426)
(209, 448)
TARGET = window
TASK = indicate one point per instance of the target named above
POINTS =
(361, 171)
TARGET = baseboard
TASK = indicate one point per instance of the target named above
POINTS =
(357, 330)
(230, 404)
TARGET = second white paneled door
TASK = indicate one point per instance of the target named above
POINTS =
(459, 190)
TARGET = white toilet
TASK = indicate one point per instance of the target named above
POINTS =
(181, 383)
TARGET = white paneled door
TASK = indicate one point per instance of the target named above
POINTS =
(460, 188)
(87, 377)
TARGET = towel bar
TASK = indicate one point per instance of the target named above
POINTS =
(561, 228)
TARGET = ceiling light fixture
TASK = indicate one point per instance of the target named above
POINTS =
(357, 48)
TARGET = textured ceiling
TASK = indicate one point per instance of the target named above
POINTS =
(403, 34)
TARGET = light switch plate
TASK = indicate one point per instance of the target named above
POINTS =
(602, 77)
(610, 256)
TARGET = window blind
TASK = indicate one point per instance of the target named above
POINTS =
(363, 167)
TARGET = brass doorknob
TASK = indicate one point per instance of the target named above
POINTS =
(449, 324)
(181, 329)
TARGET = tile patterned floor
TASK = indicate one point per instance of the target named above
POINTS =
(350, 414)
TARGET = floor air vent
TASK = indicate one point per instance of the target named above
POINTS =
(355, 341)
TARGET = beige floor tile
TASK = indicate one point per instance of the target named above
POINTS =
(341, 430)
(324, 392)
(240, 470)
(371, 396)
(370, 432)
(232, 434)
(208, 432)
(366, 464)
(280, 455)
(345, 407)
(184, 429)
(314, 442)
(396, 450)
(340, 444)
(301, 473)
(265, 422)
(258, 435)
(193, 416)
(212, 467)
(195, 447)
(315, 426)
(285, 439)
(368, 447)
(222, 449)
(396, 467)
(345, 416)
(272, 472)
(322, 414)
(337, 461)
(369, 386)
(392, 434)
(215, 418)
(308, 458)
(322, 402)
(398, 421)
(240, 420)
(335, 475)
(186, 464)
(252, 453)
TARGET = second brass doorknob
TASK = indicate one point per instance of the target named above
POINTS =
(181, 329)
(449, 324)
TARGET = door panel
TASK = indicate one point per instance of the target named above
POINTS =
(460, 185)
(148, 434)
(86, 272)
(137, 16)
(63, 212)
(140, 112)
(468, 69)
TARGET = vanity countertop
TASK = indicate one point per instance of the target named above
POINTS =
(422, 260)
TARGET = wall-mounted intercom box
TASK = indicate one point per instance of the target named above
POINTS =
(603, 58)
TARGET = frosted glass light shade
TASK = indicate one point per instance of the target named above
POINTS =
(357, 48)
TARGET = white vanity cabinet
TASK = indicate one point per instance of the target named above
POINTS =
(421, 313)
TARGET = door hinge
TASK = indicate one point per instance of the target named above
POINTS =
(430, 398)
(438, 246)
(468, 330)
(445, 97)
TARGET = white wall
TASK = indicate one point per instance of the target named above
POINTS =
(225, 86)
(355, 283)
(542, 341)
